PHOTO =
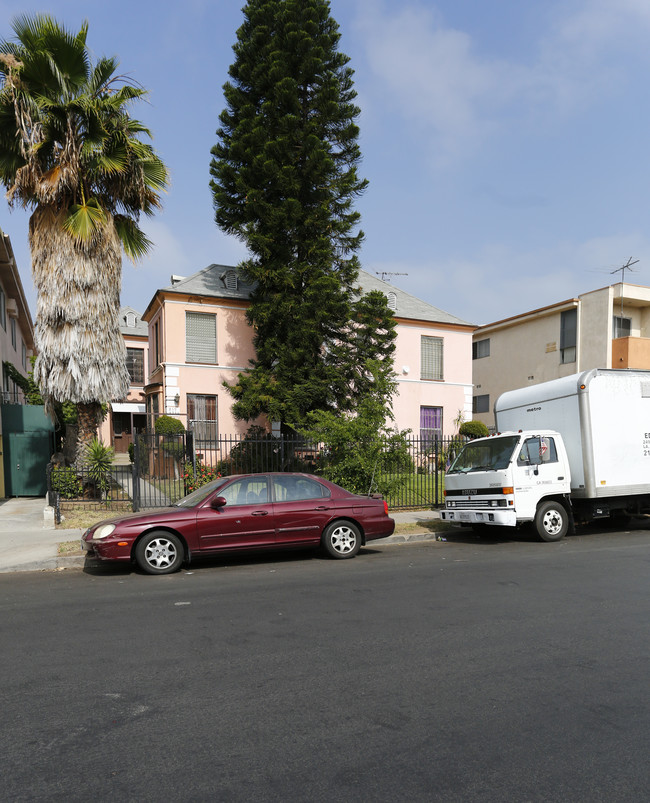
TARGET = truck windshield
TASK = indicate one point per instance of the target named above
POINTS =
(485, 455)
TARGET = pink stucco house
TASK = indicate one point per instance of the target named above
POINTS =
(198, 337)
(128, 417)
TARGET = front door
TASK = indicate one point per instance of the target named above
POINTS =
(245, 521)
(122, 431)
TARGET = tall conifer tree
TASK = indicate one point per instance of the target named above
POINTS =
(284, 180)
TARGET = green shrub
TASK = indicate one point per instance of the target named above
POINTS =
(166, 425)
(99, 459)
(473, 429)
(131, 453)
(66, 482)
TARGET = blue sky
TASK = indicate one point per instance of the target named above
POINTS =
(505, 143)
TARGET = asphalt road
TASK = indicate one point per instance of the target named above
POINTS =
(471, 670)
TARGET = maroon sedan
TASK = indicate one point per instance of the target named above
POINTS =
(243, 513)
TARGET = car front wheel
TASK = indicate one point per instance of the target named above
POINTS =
(159, 553)
(342, 539)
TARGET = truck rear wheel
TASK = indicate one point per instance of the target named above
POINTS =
(551, 521)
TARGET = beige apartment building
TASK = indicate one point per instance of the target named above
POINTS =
(605, 328)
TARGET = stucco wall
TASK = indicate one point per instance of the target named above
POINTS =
(453, 394)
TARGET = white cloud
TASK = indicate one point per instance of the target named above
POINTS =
(437, 78)
(498, 281)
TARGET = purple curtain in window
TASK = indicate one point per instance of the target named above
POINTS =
(431, 418)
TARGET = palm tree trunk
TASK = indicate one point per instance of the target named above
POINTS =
(88, 418)
(81, 356)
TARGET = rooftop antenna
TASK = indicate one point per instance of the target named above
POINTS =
(621, 270)
(382, 273)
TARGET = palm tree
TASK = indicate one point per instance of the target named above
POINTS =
(70, 152)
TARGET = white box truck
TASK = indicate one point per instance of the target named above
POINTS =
(570, 450)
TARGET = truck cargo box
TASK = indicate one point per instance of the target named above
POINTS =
(603, 416)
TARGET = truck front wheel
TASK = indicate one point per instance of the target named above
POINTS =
(551, 521)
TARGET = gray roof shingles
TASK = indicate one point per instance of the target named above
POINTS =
(211, 281)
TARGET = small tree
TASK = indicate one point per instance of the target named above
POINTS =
(361, 451)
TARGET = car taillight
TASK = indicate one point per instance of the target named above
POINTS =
(385, 507)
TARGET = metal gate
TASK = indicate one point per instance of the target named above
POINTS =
(28, 442)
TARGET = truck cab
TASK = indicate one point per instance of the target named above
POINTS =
(511, 478)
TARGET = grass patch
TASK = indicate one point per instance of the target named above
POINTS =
(80, 517)
(430, 526)
(69, 548)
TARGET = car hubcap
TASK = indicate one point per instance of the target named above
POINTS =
(552, 522)
(160, 553)
(343, 539)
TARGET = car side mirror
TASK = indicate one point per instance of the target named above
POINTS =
(217, 502)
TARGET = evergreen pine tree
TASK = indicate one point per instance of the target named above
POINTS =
(284, 179)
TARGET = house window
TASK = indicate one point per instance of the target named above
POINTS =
(430, 423)
(481, 404)
(3, 309)
(23, 355)
(13, 333)
(392, 301)
(200, 337)
(154, 350)
(622, 327)
(481, 348)
(130, 320)
(202, 417)
(135, 365)
(568, 335)
(153, 410)
(431, 358)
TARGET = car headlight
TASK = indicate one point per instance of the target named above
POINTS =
(103, 531)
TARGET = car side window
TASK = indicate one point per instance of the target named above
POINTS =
(536, 451)
(294, 489)
(247, 491)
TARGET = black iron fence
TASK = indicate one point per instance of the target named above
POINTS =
(164, 468)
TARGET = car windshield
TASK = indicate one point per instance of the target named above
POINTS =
(485, 455)
(196, 497)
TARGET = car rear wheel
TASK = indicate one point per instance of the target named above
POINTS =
(342, 539)
(159, 553)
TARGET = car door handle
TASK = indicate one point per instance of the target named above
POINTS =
(322, 507)
(260, 513)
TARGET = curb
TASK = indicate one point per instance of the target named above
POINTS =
(62, 562)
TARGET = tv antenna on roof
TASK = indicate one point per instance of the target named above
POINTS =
(382, 273)
(622, 269)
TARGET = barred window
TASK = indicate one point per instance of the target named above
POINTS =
(135, 365)
(200, 337)
(430, 423)
(202, 417)
(431, 358)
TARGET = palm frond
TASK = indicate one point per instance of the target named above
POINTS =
(134, 241)
(85, 220)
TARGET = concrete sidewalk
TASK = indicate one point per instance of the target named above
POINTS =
(29, 543)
